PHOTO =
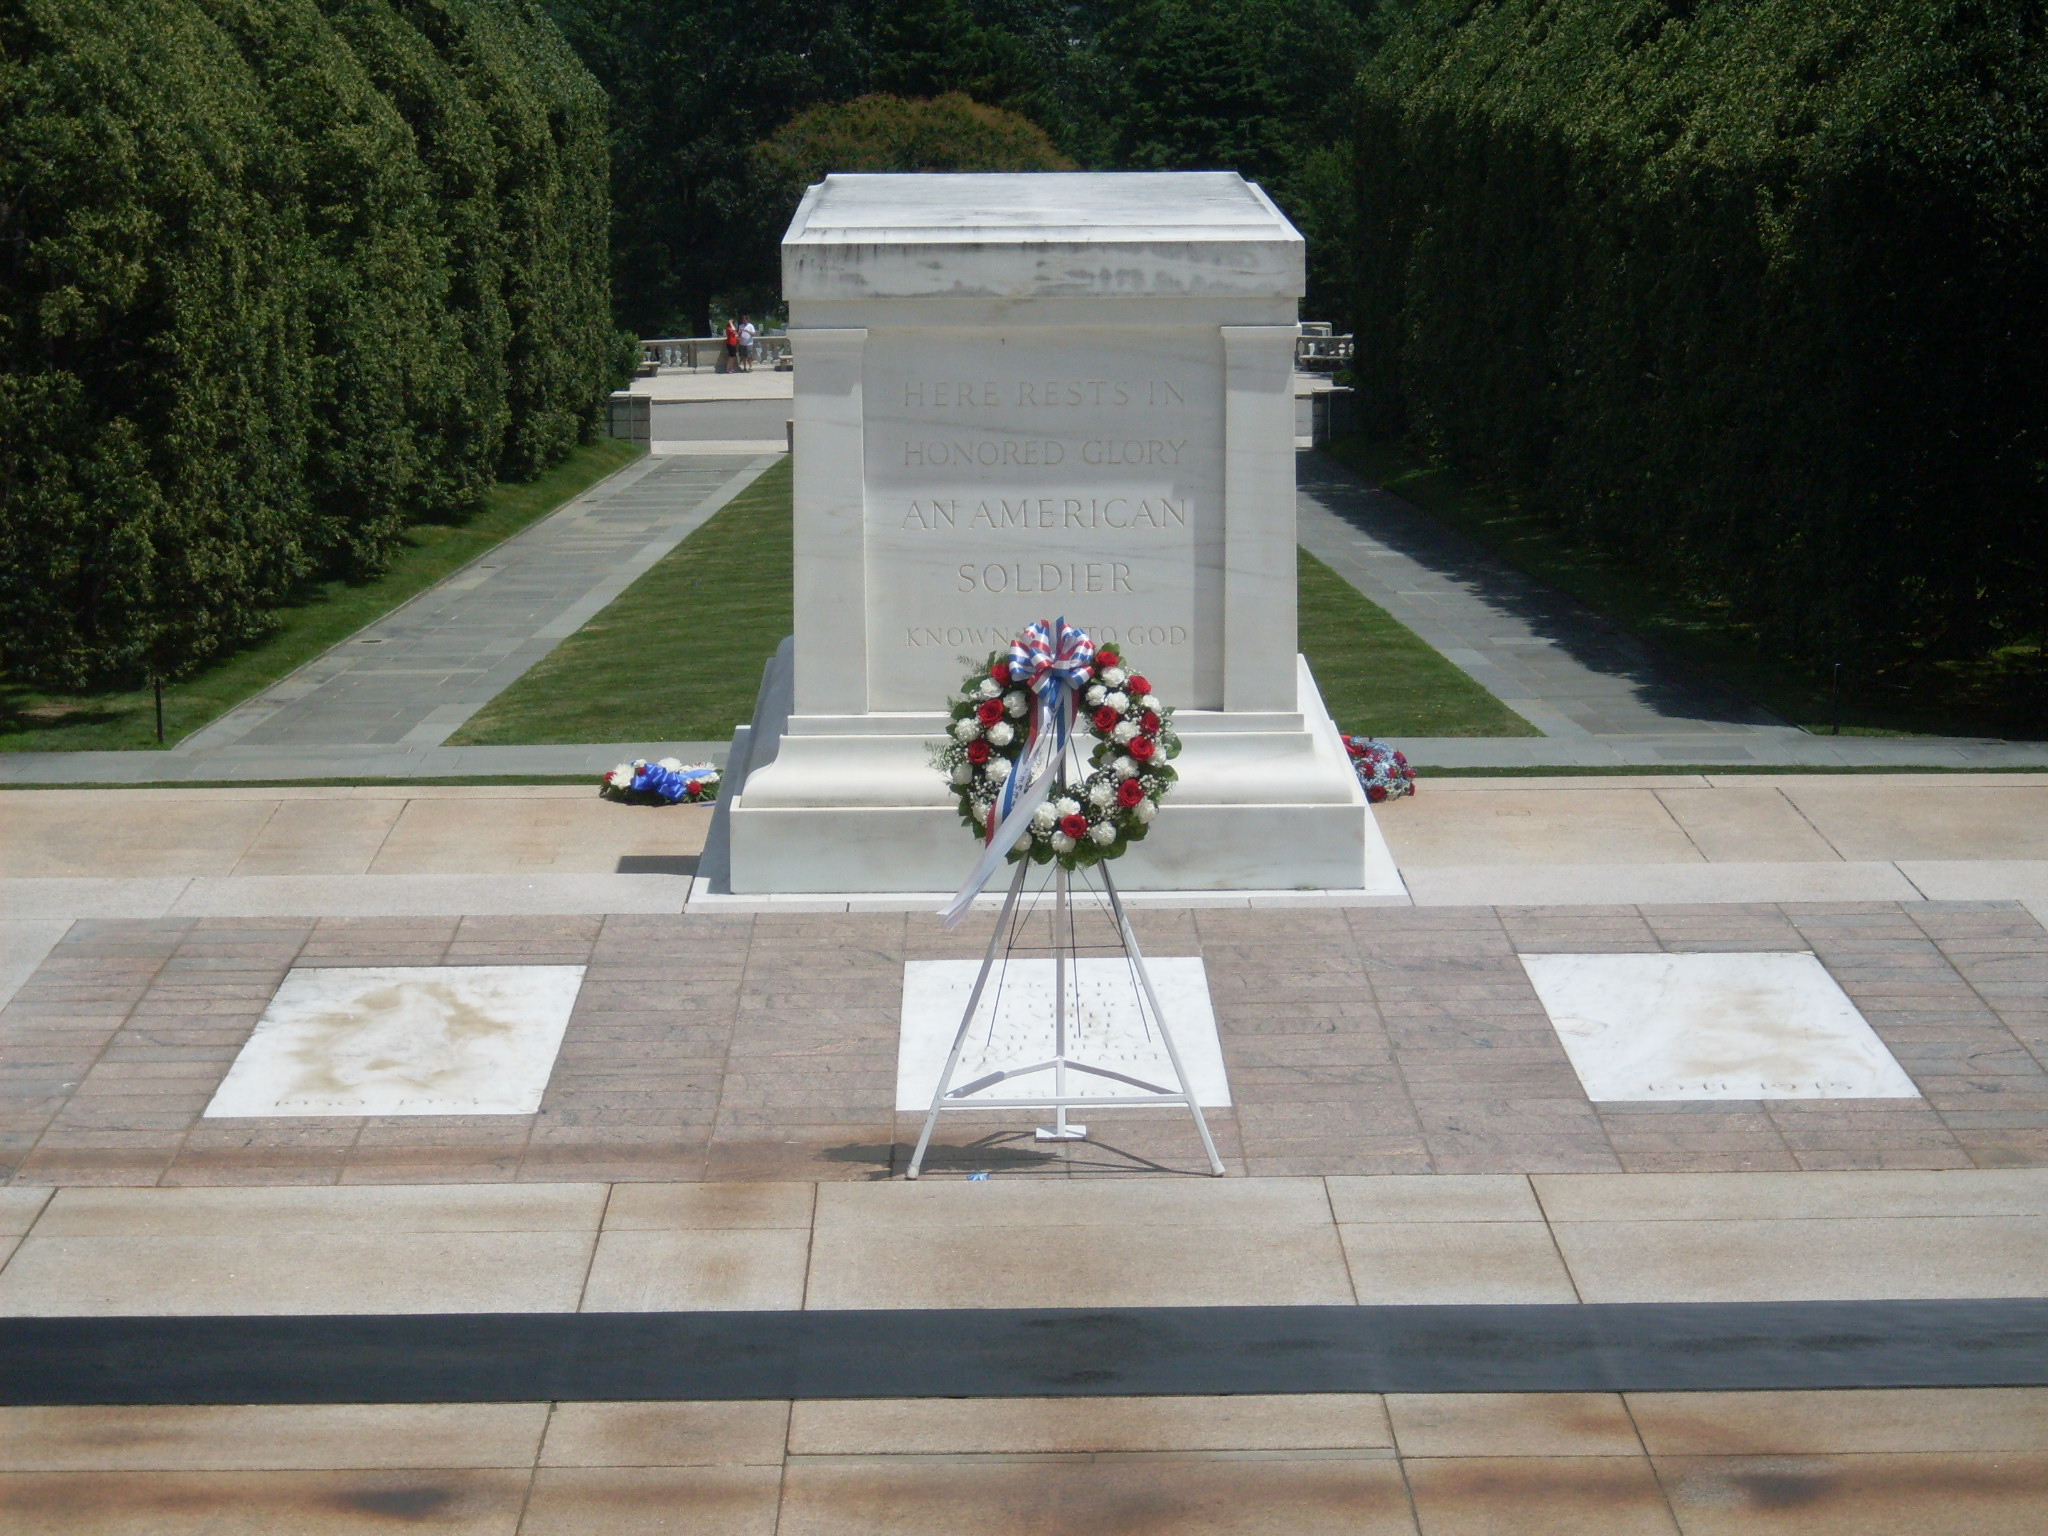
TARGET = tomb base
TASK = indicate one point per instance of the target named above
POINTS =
(832, 804)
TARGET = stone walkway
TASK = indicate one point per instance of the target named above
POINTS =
(1368, 1041)
(1961, 1462)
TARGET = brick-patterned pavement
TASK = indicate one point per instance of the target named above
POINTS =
(1370, 1040)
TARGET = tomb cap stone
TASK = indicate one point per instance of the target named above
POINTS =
(1053, 234)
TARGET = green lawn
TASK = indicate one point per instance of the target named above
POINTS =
(2004, 694)
(31, 721)
(678, 656)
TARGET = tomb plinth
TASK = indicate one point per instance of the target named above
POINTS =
(1022, 397)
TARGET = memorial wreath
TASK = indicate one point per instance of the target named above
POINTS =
(667, 782)
(1012, 721)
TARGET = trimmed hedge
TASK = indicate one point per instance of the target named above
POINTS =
(1752, 291)
(277, 278)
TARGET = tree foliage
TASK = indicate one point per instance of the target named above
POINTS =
(1749, 290)
(887, 133)
(277, 277)
(1260, 86)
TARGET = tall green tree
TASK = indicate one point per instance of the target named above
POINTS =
(155, 367)
(372, 270)
(463, 411)
(276, 278)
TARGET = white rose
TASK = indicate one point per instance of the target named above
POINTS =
(1124, 768)
(1104, 832)
(966, 730)
(1043, 818)
(998, 769)
(1145, 810)
(1001, 734)
(1095, 695)
(1018, 703)
(1125, 730)
(1112, 675)
(963, 773)
(1023, 844)
(1118, 702)
(989, 688)
(1151, 702)
(623, 774)
(672, 764)
(1061, 843)
(1101, 792)
(1069, 807)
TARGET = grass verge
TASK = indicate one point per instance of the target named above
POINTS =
(2004, 694)
(32, 721)
(678, 655)
(1378, 678)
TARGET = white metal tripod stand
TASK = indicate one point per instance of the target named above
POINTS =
(1061, 1063)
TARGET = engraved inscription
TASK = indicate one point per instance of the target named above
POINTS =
(1046, 578)
(1032, 472)
(1047, 512)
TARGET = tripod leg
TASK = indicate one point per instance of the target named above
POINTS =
(931, 1118)
(1123, 925)
(1062, 946)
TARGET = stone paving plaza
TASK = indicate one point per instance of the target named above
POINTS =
(1360, 1041)
(718, 1133)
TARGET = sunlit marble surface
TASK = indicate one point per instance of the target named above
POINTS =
(404, 1040)
(1014, 1027)
(1713, 1026)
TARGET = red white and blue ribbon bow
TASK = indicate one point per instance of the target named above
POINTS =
(1054, 660)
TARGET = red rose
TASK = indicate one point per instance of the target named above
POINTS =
(977, 752)
(1107, 657)
(1142, 748)
(1376, 793)
(989, 711)
(1129, 793)
(1139, 686)
(1106, 718)
(1148, 722)
(999, 669)
(1075, 827)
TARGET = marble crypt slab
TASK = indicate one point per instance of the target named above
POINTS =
(403, 1040)
(1771, 1025)
(1014, 1027)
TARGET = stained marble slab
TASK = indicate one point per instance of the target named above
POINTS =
(1712, 1026)
(404, 1040)
(1013, 1027)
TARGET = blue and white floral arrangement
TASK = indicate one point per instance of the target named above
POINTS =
(667, 782)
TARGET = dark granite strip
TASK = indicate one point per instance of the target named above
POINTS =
(1012, 1353)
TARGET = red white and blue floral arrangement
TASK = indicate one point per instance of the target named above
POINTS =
(669, 781)
(997, 726)
(1380, 767)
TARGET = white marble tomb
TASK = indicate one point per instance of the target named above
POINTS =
(1772, 1025)
(1034, 396)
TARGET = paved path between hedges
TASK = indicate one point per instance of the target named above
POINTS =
(412, 677)
(1560, 666)
(1600, 697)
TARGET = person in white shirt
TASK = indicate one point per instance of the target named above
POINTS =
(747, 334)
